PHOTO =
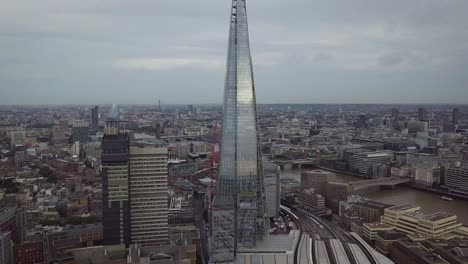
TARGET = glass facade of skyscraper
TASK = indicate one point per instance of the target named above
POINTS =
(240, 189)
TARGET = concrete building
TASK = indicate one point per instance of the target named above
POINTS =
(335, 193)
(316, 179)
(426, 176)
(5, 248)
(148, 193)
(271, 174)
(12, 221)
(18, 138)
(369, 230)
(384, 241)
(29, 252)
(408, 219)
(95, 118)
(456, 179)
(80, 132)
(58, 133)
(309, 200)
(423, 114)
(372, 164)
(431, 251)
(370, 211)
(415, 126)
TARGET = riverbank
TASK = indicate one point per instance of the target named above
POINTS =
(439, 192)
(429, 200)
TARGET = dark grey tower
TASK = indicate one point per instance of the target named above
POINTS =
(95, 118)
(239, 218)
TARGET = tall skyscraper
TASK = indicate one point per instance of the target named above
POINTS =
(148, 193)
(115, 185)
(239, 218)
(95, 118)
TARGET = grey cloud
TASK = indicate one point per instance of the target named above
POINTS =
(86, 51)
(393, 58)
(323, 57)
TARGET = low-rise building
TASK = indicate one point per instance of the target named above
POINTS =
(310, 200)
(316, 179)
(29, 252)
(408, 219)
(369, 230)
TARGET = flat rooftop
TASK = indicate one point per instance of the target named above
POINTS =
(377, 225)
(438, 216)
(403, 207)
(374, 204)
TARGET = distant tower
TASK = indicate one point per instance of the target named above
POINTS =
(422, 114)
(456, 116)
(395, 114)
(158, 130)
(95, 118)
(239, 218)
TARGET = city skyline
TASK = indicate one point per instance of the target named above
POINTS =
(372, 52)
(115, 145)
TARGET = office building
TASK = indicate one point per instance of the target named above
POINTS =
(95, 118)
(408, 219)
(12, 221)
(370, 211)
(429, 251)
(59, 133)
(423, 114)
(415, 126)
(272, 187)
(395, 114)
(115, 185)
(5, 248)
(384, 241)
(369, 231)
(80, 132)
(456, 179)
(18, 138)
(29, 252)
(426, 176)
(372, 164)
(148, 193)
(456, 116)
(311, 201)
(316, 179)
(240, 188)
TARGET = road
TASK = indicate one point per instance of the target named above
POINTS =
(200, 222)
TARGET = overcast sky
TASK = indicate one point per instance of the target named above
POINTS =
(304, 51)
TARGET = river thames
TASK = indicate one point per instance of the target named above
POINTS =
(429, 202)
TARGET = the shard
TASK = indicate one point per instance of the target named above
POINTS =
(239, 218)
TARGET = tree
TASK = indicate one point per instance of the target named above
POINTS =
(45, 171)
(52, 178)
